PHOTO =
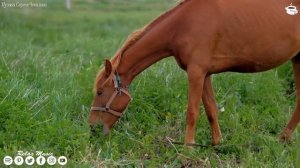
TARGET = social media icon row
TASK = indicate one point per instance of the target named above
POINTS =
(40, 160)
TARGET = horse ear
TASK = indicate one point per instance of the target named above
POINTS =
(108, 67)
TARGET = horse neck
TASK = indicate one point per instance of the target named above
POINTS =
(152, 47)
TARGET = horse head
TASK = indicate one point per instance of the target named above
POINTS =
(110, 100)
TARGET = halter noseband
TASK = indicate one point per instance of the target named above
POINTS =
(119, 89)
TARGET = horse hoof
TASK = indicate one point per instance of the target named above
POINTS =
(284, 137)
(215, 143)
(189, 146)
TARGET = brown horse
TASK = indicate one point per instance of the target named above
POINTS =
(205, 37)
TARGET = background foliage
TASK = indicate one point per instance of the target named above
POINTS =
(48, 61)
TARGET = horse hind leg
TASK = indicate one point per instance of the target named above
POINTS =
(211, 109)
(287, 132)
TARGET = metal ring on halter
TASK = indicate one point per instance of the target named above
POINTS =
(119, 89)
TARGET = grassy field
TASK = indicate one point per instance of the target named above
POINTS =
(49, 58)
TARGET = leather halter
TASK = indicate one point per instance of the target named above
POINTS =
(119, 89)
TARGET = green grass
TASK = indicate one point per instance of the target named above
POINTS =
(50, 57)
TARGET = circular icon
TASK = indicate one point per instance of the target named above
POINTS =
(7, 160)
(29, 160)
(19, 160)
(40, 160)
(51, 160)
(62, 160)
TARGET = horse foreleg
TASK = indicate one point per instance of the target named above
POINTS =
(287, 132)
(211, 109)
(196, 80)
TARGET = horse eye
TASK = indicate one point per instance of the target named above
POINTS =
(99, 92)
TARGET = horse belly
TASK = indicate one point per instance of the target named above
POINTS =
(250, 55)
(253, 67)
(246, 64)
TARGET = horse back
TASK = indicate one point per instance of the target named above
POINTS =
(233, 35)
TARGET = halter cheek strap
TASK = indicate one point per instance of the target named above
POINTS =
(118, 91)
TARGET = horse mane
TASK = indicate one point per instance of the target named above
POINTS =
(139, 33)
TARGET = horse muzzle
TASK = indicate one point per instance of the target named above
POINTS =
(94, 129)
